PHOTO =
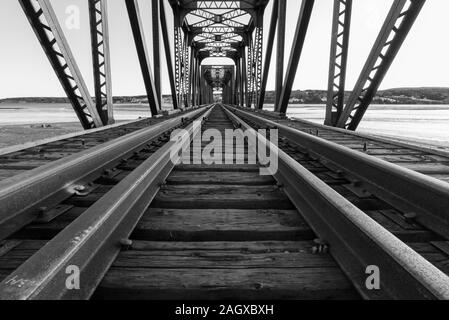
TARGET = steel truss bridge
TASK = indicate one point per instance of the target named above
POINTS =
(230, 29)
(345, 215)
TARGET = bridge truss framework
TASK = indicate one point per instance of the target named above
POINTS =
(221, 29)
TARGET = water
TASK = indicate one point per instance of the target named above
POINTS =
(428, 123)
(30, 113)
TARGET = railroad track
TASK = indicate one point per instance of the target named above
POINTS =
(225, 231)
(433, 162)
(14, 161)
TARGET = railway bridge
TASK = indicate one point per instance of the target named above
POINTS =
(107, 213)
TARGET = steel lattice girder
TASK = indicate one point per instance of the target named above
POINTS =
(269, 52)
(398, 23)
(168, 57)
(156, 48)
(141, 47)
(341, 26)
(49, 32)
(101, 59)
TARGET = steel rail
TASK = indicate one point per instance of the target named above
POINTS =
(355, 240)
(23, 196)
(93, 241)
(378, 138)
(407, 190)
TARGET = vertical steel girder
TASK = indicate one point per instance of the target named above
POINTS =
(194, 75)
(269, 53)
(186, 71)
(141, 47)
(156, 49)
(99, 30)
(249, 71)
(242, 82)
(341, 26)
(179, 57)
(191, 74)
(168, 57)
(399, 22)
(298, 44)
(237, 82)
(254, 67)
(280, 49)
(49, 32)
(258, 52)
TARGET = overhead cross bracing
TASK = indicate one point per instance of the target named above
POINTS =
(219, 29)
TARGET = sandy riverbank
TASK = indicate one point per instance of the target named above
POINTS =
(12, 135)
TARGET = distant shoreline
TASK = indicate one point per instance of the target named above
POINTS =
(396, 96)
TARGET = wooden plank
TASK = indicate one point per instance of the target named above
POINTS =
(213, 284)
(246, 246)
(401, 229)
(219, 168)
(221, 178)
(221, 225)
(228, 260)
(221, 197)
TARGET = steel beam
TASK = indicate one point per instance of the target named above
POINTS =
(194, 82)
(156, 49)
(298, 44)
(258, 52)
(341, 26)
(269, 53)
(179, 61)
(398, 24)
(280, 53)
(186, 70)
(45, 24)
(249, 71)
(191, 75)
(99, 30)
(338, 61)
(141, 47)
(245, 78)
(168, 58)
(241, 82)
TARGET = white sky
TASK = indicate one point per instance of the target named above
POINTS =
(423, 60)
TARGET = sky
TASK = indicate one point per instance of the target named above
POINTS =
(422, 61)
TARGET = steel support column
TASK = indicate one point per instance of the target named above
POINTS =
(269, 53)
(194, 82)
(341, 26)
(245, 76)
(49, 32)
(258, 53)
(241, 83)
(191, 74)
(179, 64)
(168, 57)
(249, 71)
(295, 55)
(156, 50)
(280, 52)
(141, 47)
(398, 23)
(99, 30)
